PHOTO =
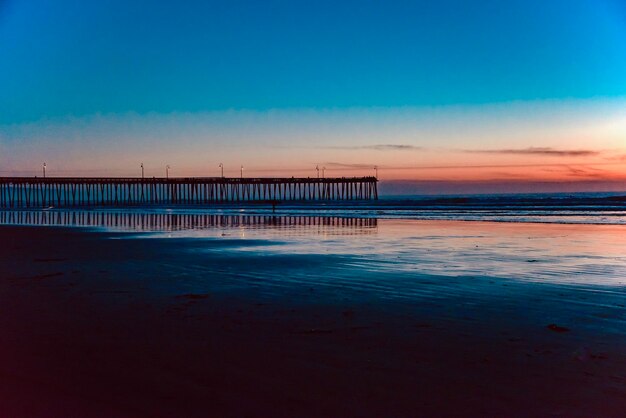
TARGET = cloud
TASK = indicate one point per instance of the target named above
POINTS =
(548, 167)
(546, 151)
(617, 158)
(348, 165)
(380, 147)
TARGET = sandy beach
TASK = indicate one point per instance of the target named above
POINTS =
(400, 318)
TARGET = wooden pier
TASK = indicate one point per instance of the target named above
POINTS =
(34, 192)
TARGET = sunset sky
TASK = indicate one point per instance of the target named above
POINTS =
(441, 96)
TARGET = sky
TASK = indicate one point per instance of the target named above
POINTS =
(440, 96)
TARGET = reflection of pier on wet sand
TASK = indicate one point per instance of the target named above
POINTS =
(25, 192)
(149, 221)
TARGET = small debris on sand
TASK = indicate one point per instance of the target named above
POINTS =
(556, 328)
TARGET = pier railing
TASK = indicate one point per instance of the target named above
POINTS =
(32, 192)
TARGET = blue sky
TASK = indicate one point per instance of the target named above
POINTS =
(235, 76)
(76, 57)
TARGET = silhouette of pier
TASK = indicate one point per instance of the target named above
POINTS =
(33, 192)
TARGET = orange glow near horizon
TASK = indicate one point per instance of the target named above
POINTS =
(547, 141)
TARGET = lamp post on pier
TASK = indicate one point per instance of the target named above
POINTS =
(167, 171)
(44, 170)
(376, 171)
(323, 170)
(222, 167)
(241, 171)
(317, 168)
(141, 170)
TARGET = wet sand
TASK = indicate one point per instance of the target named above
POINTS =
(96, 324)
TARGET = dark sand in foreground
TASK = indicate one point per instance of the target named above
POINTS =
(91, 326)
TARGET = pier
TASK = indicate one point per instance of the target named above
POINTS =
(38, 192)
